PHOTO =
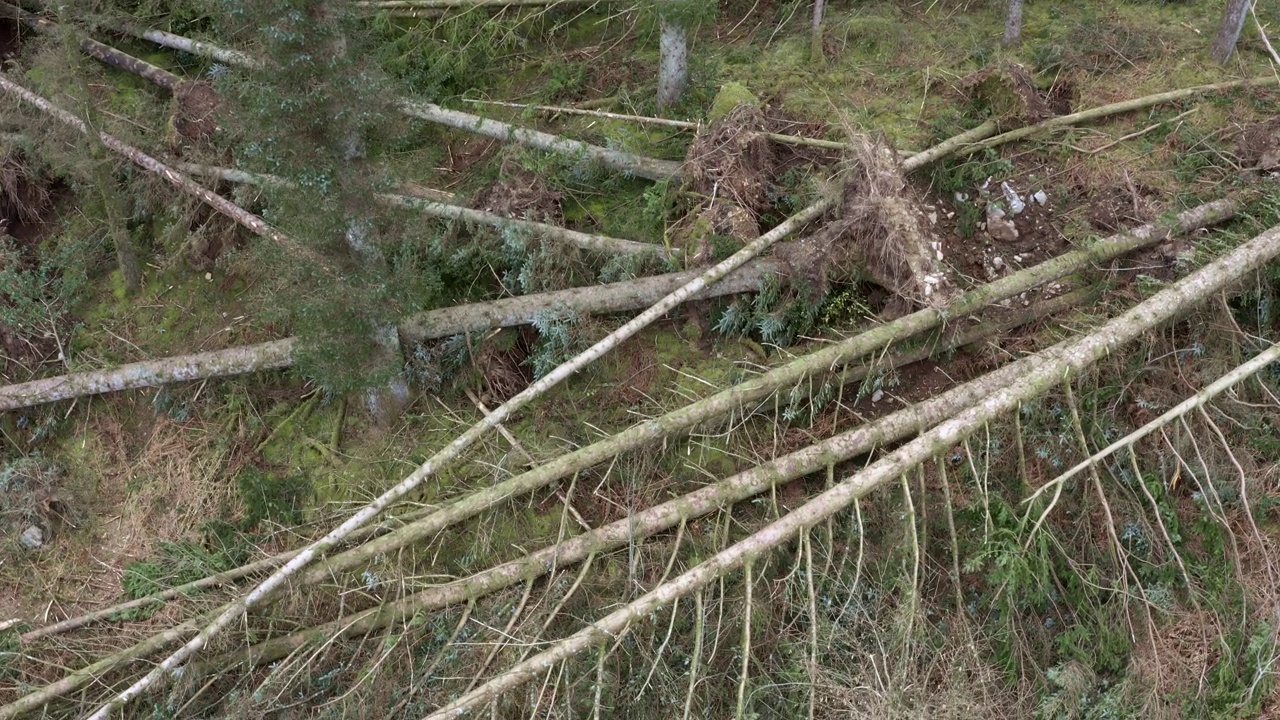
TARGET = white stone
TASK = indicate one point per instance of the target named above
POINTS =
(32, 538)
(877, 396)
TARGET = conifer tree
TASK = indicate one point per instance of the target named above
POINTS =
(316, 114)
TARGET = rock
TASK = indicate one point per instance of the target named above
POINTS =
(997, 262)
(877, 396)
(1040, 197)
(1002, 230)
(32, 538)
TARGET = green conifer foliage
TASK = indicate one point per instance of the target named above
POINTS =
(317, 114)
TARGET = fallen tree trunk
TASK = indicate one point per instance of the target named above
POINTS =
(665, 516)
(105, 53)
(455, 449)
(585, 241)
(617, 160)
(241, 216)
(644, 524)
(1112, 109)
(734, 398)
(429, 325)
(615, 297)
(682, 124)
(195, 47)
(1036, 376)
(740, 396)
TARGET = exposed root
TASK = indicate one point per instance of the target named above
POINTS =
(1010, 94)
(879, 227)
(24, 197)
(730, 166)
(521, 194)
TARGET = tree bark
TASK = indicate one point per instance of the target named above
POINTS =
(1013, 24)
(1036, 375)
(673, 62)
(613, 159)
(1233, 17)
(817, 54)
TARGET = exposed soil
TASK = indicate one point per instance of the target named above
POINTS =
(1259, 145)
(8, 39)
(518, 193)
(196, 118)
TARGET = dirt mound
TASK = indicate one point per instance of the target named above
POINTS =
(729, 166)
(1259, 145)
(1010, 94)
(879, 228)
(196, 117)
(1114, 208)
(24, 195)
(519, 193)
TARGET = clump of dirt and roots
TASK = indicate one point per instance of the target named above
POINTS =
(729, 168)
(1258, 146)
(521, 194)
(196, 116)
(1009, 94)
(879, 229)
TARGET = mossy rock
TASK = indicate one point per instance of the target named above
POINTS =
(731, 95)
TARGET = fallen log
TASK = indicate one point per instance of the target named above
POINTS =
(614, 159)
(241, 216)
(644, 524)
(667, 515)
(1036, 376)
(429, 325)
(105, 53)
(585, 241)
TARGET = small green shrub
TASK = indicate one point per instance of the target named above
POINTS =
(266, 497)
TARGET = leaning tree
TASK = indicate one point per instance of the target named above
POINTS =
(1233, 16)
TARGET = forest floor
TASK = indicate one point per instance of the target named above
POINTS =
(148, 489)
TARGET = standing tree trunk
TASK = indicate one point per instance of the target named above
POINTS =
(673, 62)
(816, 54)
(1013, 25)
(1229, 31)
